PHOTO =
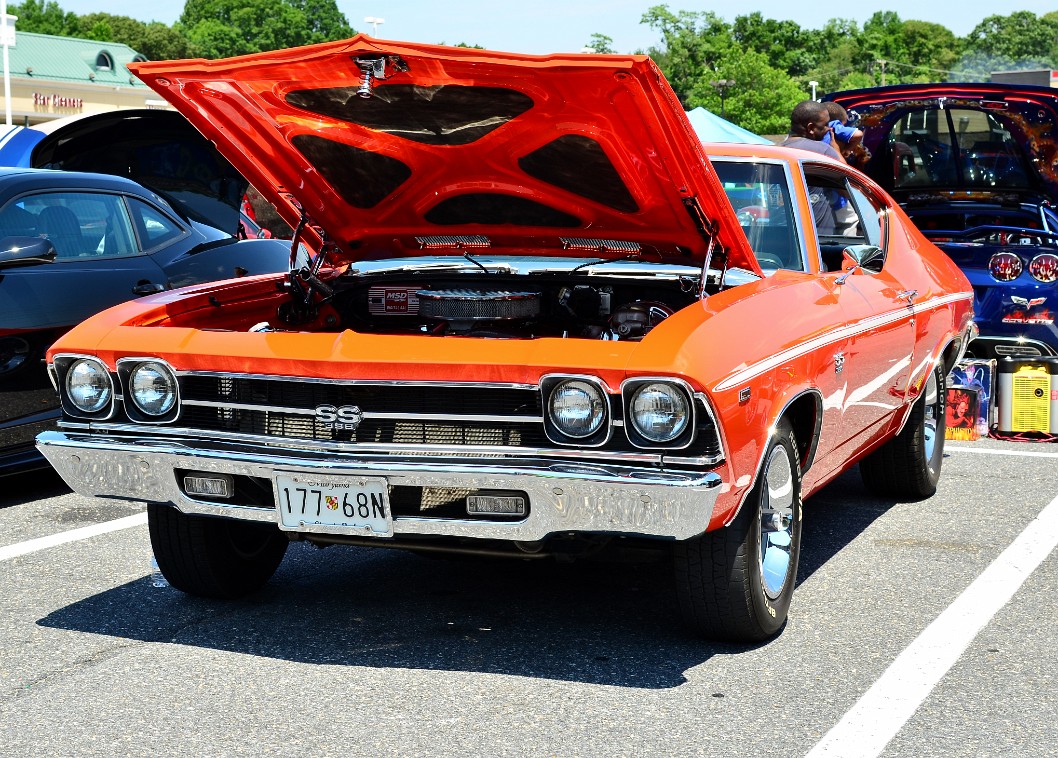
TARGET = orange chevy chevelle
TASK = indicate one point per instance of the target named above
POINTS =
(528, 313)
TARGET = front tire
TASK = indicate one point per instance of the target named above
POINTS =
(908, 465)
(213, 557)
(736, 583)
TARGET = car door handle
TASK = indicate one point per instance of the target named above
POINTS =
(145, 287)
(908, 295)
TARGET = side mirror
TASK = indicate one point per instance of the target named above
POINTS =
(869, 257)
(860, 258)
(25, 251)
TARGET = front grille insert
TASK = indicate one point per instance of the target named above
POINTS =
(394, 417)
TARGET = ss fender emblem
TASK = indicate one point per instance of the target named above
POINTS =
(339, 417)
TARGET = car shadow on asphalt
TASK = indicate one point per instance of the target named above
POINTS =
(834, 517)
(602, 622)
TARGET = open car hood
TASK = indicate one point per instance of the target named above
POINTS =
(156, 148)
(446, 144)
(984, 141)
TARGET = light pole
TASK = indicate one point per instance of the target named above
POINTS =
(813, 85)
(374, 21)
(721, 86)
(8, 32)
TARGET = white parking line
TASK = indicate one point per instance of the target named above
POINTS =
(877, 716)
(989, 451)
(43, 543)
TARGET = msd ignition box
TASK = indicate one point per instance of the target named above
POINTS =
(1028, 395)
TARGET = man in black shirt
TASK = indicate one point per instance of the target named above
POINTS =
(809, 123)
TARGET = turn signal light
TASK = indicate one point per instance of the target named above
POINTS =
(1005, 267)
(1044, 267)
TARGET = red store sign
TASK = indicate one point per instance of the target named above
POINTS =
(58, 102)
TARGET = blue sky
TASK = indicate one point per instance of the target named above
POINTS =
(543, 26)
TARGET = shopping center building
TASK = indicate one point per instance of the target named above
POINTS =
(53, 77)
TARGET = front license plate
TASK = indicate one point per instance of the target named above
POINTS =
(335, 504)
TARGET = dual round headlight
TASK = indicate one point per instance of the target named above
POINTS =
(152, 388)
(88, 385)
(659, 412)
(577, 408)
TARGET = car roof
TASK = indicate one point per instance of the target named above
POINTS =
(41, 177)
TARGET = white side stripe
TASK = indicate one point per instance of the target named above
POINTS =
(865, 325)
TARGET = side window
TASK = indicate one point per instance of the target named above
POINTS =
(154, 227)
(871, 217)
(79, 224)
(759, 193)
(844, 214)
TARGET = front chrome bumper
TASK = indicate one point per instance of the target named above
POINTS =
(564, 497)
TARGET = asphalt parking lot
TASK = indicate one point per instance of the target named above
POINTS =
(916, 630)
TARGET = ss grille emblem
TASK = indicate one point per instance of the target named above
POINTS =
(339, 417)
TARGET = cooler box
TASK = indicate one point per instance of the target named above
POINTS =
(1027, 390)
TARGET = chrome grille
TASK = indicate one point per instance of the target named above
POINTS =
(393, 415)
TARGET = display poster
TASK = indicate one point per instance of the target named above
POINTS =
(961, 414)
(978, 374)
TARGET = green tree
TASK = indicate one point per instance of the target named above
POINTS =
(600, 43)
(155, 40)
(1021, 35)
(693, 43)
(44, 17)
(760, 99)
(932, 49)
(845, 55)
(221, 28)
(913, 51)
(786, 46)
(161, 42)
(324, 21)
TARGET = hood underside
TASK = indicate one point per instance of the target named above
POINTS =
(388, 146)
(974, 141)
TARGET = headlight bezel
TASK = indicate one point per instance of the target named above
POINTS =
(64, 365)
(549, 384)
(629, 390)
(125, 369)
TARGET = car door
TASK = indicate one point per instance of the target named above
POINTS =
(100, 261)
(878, 306)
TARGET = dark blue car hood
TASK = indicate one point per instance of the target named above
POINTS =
(156, 148)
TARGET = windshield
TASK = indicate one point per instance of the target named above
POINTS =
(956, 147)
(760, 196)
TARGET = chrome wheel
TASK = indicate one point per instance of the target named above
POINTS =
(736, 583)
(908, 465)
(777, 513)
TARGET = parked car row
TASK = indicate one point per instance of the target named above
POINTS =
(78, 234)
(533, 325)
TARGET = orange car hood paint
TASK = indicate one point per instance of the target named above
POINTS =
(531, 152)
